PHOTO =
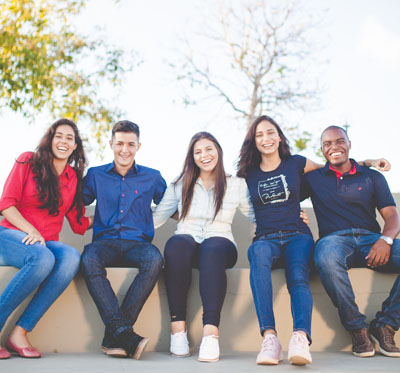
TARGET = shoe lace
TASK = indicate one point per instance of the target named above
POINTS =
(388, 335)
(359, 337)
(299, 341)
(268, 344)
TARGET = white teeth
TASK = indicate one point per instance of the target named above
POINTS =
(336, 154)
(267, 145)
(207, 161)
(61, 149)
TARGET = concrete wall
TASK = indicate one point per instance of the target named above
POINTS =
(73, 325)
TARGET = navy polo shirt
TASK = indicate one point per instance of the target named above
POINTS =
(275, 196)
(347, 201)
(123, 202)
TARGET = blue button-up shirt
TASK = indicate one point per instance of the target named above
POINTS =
(123, 208)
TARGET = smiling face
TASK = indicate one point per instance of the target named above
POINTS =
(63, 143)
(335, 146)
(125, 146)
(267, 138)
(205, 155)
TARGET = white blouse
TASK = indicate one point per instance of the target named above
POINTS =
(199, 221)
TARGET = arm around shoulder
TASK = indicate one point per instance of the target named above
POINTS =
(167, 206)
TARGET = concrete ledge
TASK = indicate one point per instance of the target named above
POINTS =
(73, 324)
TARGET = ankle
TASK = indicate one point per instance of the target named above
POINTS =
(209, 329)
(269, 332)
(178, 327)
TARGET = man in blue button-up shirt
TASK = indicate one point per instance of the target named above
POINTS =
(122, 233)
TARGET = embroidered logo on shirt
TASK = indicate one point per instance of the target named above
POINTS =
(273, 190)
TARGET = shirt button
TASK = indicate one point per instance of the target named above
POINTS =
(121, 211)
(123, 195)
(123, 178)
(341, 177)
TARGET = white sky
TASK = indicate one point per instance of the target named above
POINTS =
(362, 84)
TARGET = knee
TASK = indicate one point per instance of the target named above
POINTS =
(298, 277)
(176, 247)
(89, 259)
(154, 260)
(326, 258)
(43, 258)
(260, 254)
(70, 260)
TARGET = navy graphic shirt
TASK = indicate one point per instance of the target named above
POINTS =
(275, 196)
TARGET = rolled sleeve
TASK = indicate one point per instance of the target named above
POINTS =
(77, 227)
(14, 185)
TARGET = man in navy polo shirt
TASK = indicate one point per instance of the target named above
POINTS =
(122, 233)
(345, 196)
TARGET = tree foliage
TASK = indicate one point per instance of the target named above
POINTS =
(256, 56)
(47, 66)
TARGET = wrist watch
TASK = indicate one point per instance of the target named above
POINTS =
(387, 239)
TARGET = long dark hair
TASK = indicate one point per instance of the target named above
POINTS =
(46, 177)
(250, 156)
(191, 172)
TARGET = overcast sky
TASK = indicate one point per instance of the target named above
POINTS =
(361, 82)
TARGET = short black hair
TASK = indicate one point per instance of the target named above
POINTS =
(334, 127)
(125, 126)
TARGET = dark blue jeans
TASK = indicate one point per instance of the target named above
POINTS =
(339, 251)
(212, 257)
(120, 253)
(294, 250)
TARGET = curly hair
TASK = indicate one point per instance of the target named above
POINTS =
(46, 177)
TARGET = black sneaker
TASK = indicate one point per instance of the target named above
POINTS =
(132, 343)
(362, 345)
(110, 347)
(384, 338)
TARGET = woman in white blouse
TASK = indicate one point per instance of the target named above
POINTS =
(206, 199)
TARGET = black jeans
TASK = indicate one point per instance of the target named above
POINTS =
(212, 257)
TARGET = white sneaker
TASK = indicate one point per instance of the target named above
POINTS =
(299, 349)
(209, 349)
(179, 346)
(271, 351)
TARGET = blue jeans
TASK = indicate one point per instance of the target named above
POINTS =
(120, 253)
(49, 268)
(339, 251)
(294, 250)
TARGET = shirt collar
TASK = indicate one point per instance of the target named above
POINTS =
(133, 170)
(200, 182)
(67, 172)
(355, 169)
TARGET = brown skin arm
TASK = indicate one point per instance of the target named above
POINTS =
(91, 220)
(380, 251)
(380, 164)
(304, 216)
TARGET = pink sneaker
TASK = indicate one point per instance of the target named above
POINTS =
(299, 349)
(271, 351)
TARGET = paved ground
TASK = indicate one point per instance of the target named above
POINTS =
(162, 362)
